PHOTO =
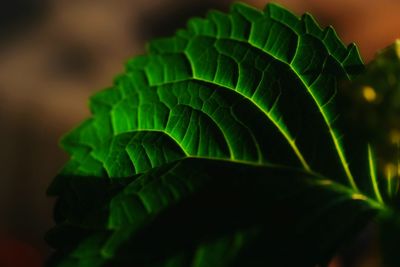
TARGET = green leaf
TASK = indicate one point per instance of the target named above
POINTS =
(222, 146)
(224, 209)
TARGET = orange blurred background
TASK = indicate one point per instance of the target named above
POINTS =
(55, 54)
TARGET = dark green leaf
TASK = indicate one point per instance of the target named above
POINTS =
(220, 147)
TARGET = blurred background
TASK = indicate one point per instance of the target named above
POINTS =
(55, 53)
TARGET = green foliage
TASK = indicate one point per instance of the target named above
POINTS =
(220, 147)
(373, 105)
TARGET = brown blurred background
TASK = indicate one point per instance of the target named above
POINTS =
(55, 54)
